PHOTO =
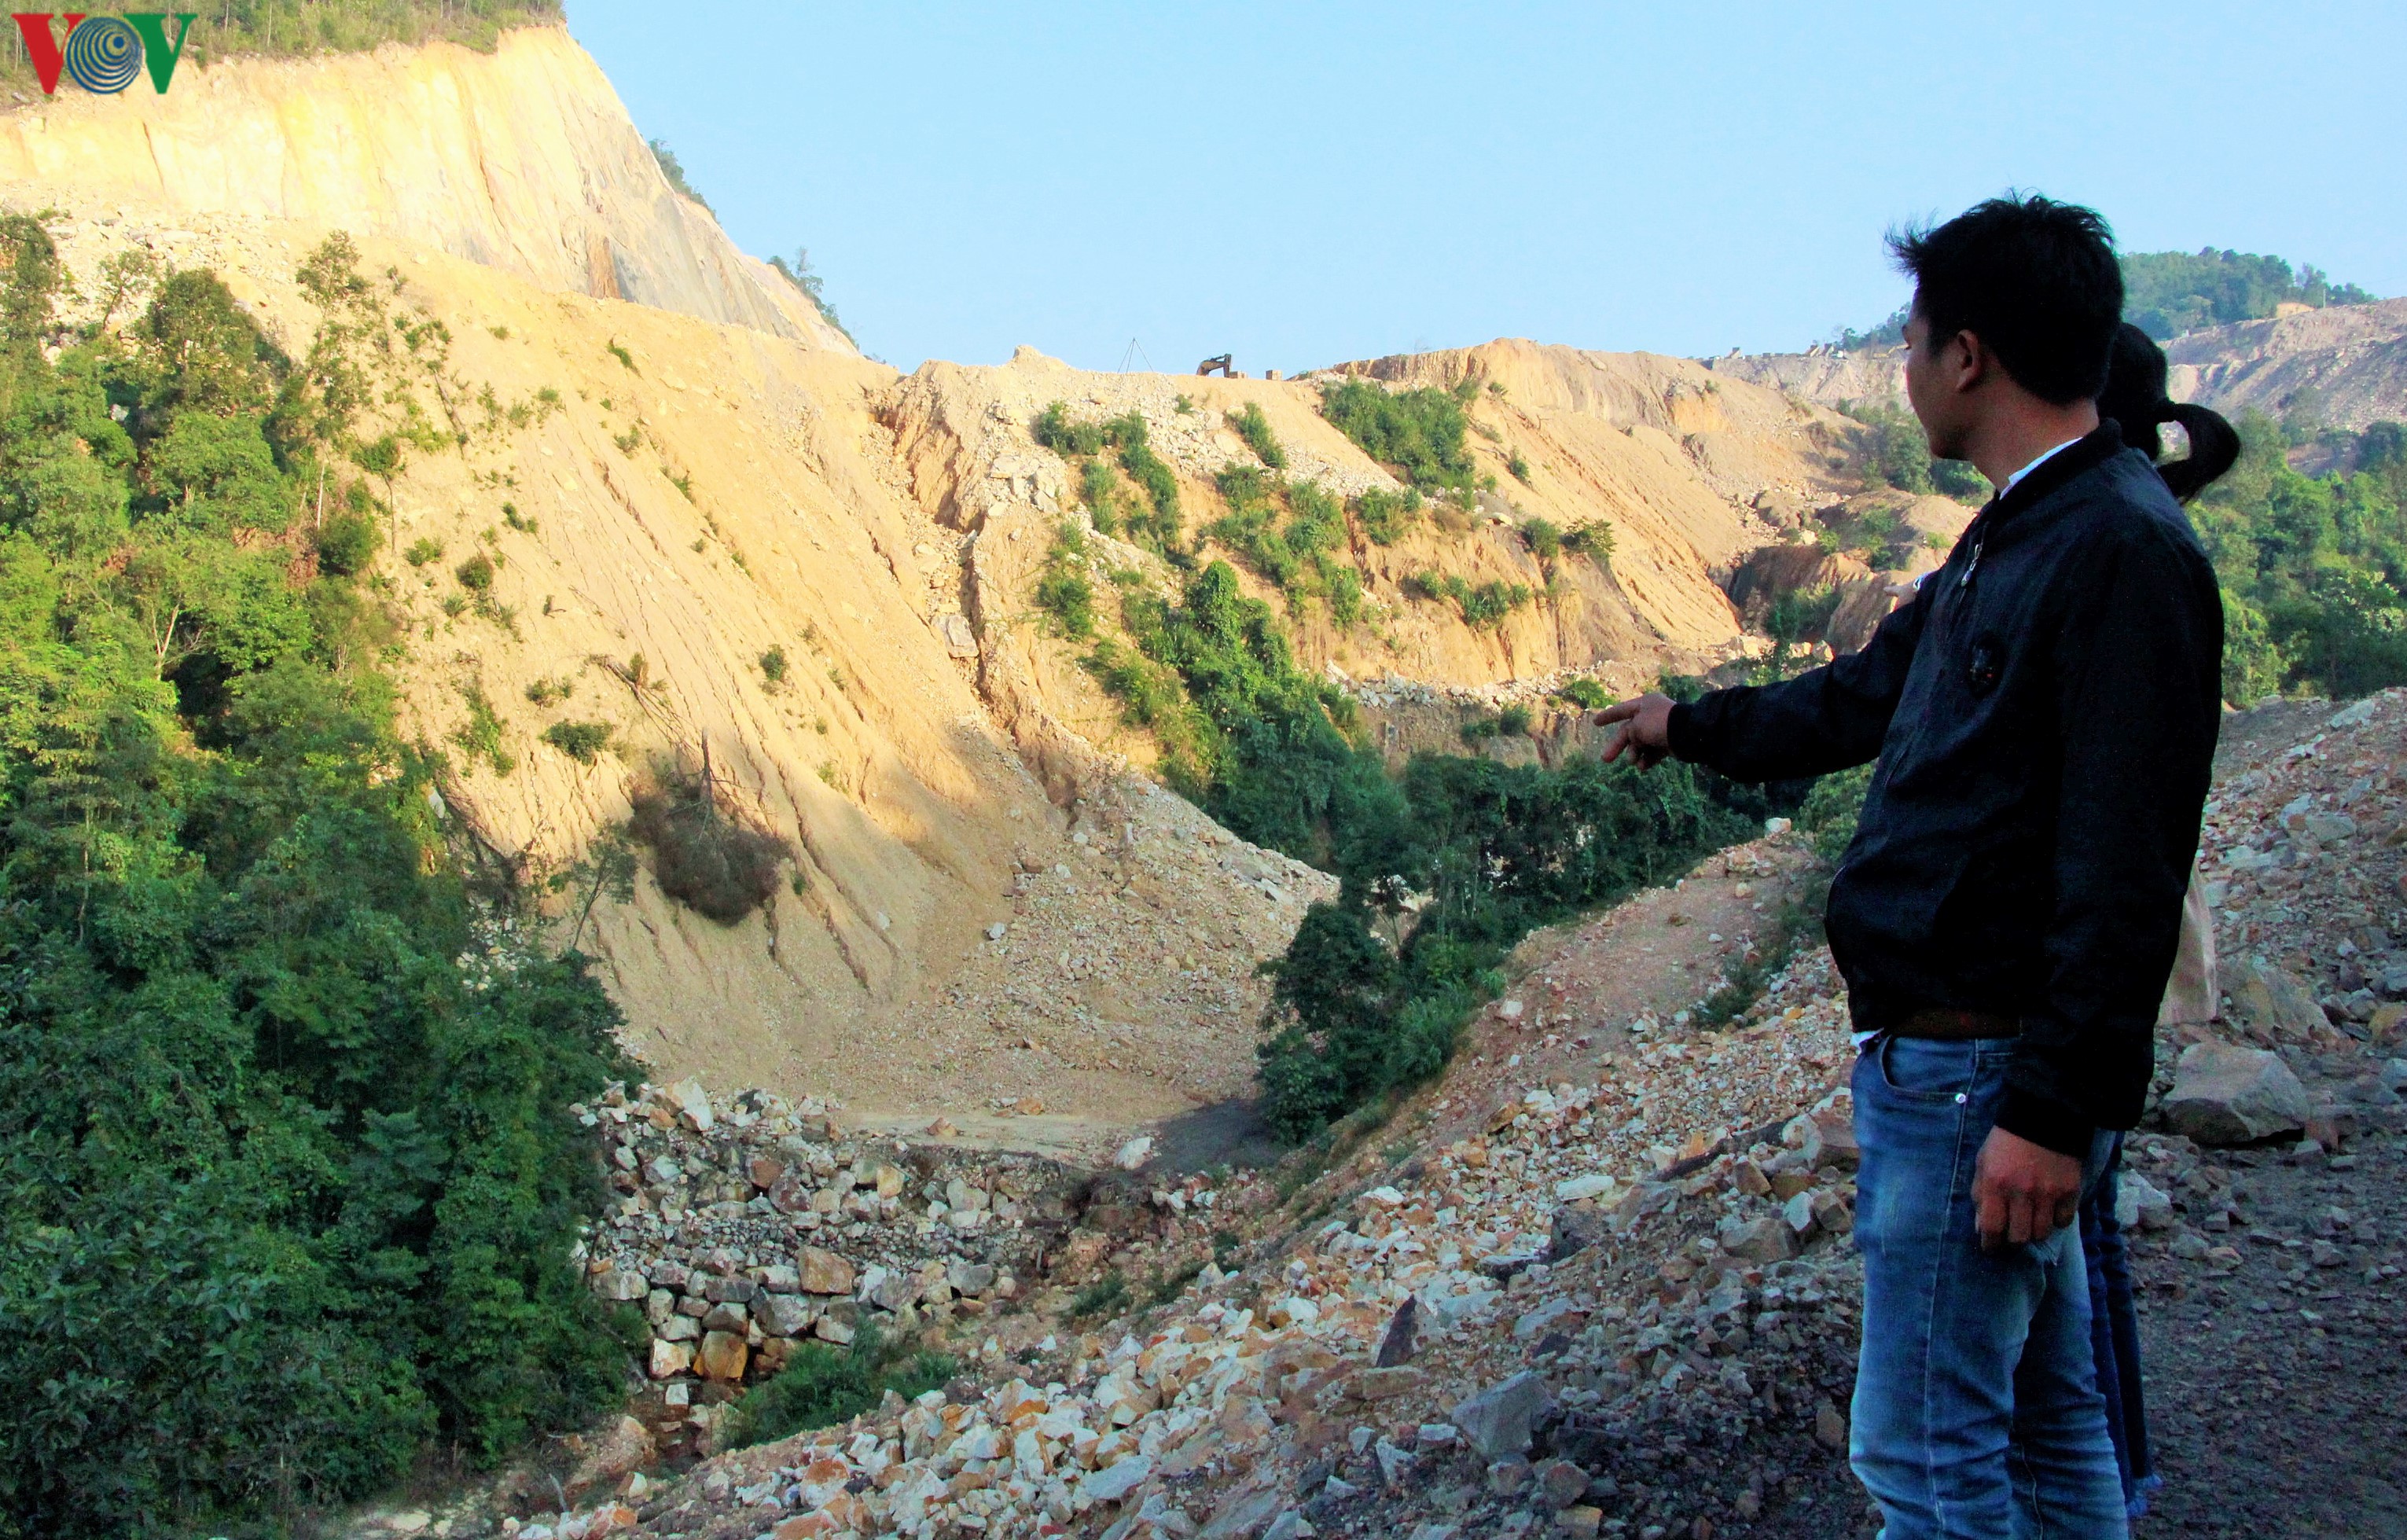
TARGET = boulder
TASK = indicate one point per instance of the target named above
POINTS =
(793, 1193)
(824, 1273)
(1115, 1481)
(894, 1291)
(2272, 1001)
(1379, 1384)
(787, 1314)
(2227, 1095)
(723, 1355)
(1135, 1153)
(1500, 1420)
(1560, 1483)
(620, 1284)
(693, 1105)
(973, 1278)
(1765, 1238)
(670, 1358)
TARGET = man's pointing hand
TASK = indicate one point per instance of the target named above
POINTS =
(1645, 730)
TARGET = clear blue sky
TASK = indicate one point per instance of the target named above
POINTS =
(1308, 182)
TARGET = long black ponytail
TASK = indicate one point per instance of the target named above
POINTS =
(2134, 398)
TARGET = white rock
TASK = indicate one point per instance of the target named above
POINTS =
(1114, 1482)
(1135, 1153)
(2138, 1205)
(1596, 1184)
(695, 1103)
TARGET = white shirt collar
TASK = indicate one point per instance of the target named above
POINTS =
(2041, 458)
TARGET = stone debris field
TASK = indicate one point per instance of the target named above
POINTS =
(1619, 1301)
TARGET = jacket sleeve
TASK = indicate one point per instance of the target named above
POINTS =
(2137, 664)
(1824, 719)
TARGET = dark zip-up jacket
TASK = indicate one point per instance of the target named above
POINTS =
(2043, 713)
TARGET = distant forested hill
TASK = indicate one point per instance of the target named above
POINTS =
(2168, 294)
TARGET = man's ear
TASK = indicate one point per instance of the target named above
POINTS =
(1967, 362)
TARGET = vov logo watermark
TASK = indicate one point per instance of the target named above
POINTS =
(103, 53)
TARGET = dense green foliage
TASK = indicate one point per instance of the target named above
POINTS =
(289, 1179)
(1893, 452)
(1485, 852)
(1481, 604)
(1418, 434)
(2166, 294)
(1592, 540)
(1295, 553)
(1255, 429)
(1159, 523)
(820, 1387)
(1259, 744)
(1385, 515)
(282, 28)
(582, 741)
(1591, 693)
(2314, 567)
(1269, 751)
(1063, 591)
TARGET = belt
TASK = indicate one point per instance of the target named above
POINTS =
(1957, 1026)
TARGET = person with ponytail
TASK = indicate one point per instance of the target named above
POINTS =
(2135, 401)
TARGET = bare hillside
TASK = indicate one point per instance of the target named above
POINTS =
(2344, 365)
(719, 536)
(522, 160)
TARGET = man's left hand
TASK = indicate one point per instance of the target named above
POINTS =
(2022, 1191)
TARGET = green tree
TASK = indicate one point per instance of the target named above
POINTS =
(288, 1193)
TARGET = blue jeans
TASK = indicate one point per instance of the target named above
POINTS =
(1977, 1413)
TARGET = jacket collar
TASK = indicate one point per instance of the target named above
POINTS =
(2100, 446)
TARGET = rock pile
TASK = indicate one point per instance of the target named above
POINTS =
(1620, 1307)
(1663, 1243)
(746, 1227)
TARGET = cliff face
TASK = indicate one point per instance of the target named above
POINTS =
(523, 160)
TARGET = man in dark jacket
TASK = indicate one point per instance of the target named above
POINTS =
(2043, 713)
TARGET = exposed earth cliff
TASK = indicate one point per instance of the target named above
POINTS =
(985, 901)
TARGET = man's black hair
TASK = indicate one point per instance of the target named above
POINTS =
(2036, 280)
